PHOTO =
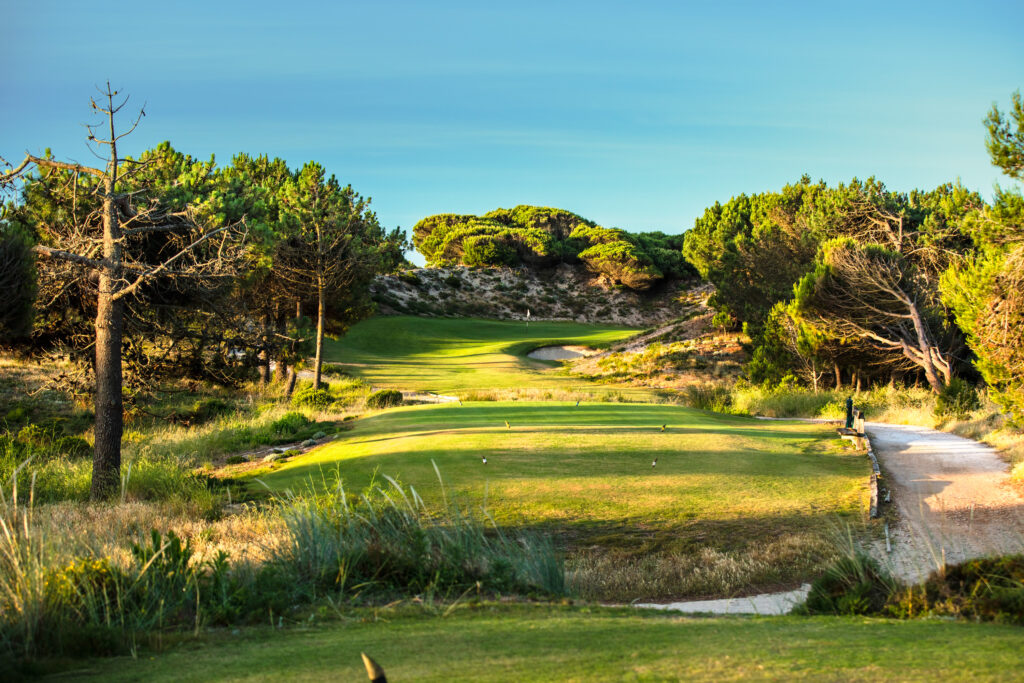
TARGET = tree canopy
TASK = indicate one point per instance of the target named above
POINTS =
(544, 237)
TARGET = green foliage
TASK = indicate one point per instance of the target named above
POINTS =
(206, 409)
(723, 320)
(289, 424)
(488, 250)
(984, 589)
(17, 283)
(312, 398)
(714, 397)
(1005, 139)
(984, 290)
(384, 398)
(543, 236)
(756, 249)
(957, 399)
(854, 584)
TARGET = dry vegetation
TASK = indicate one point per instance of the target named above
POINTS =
(562, 293)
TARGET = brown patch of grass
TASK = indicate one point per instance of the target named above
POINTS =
(106, 530)
(705, 572)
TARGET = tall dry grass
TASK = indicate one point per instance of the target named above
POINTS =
(607, 576)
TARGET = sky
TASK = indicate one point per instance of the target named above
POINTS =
(635, 115)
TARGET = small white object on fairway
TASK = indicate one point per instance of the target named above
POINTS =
(767, 604)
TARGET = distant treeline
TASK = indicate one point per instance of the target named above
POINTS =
(544, 237)
(860, 284)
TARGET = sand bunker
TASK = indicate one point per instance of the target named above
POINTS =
(560, 352)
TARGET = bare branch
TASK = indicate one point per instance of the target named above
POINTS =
(156, 270)
(50, 252)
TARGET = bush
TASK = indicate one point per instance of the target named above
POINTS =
(385, 398)
(312, 398)
(957, 399)
(855, 584)
(410, 278)
(986, 589)
(708, 397)
(207, 409)
(289, 424)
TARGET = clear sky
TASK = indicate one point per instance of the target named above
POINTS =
(636, 115)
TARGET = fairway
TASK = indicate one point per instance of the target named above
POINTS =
(586, 472)
(540, 643)
(461, 354)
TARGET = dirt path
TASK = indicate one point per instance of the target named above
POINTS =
(952, 497)
(953, 500)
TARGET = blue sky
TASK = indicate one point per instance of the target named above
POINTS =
(635, 115)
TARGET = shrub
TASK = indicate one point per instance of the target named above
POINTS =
(855, 584)
(985, 589)
(957, 399)
(289, 423)
(208, 408)
(385, 398)
(708, 397)
(312, 398)
(410, 278)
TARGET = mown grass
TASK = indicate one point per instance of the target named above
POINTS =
(722, 483)
(462, 354)
(545, 643)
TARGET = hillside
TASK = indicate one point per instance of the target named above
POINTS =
(563, 292)
(543, 237)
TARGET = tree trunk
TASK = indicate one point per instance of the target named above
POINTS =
(839, 376)
(106, 463)
(926, 349)
(814, 374)
(857, 375)
(320, 315)
(292, 376)
(264, 367)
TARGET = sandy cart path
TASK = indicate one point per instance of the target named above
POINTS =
(952, 495)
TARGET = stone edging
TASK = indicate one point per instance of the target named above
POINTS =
(875, 474)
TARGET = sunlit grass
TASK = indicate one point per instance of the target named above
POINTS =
(585, 474)
(462, 354)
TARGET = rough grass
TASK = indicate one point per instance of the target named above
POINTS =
(545, 643)
(584, 473)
